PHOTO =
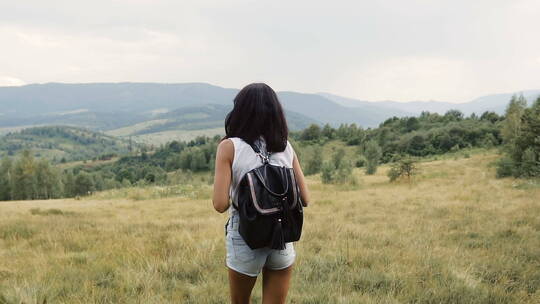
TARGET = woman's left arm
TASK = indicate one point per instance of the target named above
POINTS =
(222, 176)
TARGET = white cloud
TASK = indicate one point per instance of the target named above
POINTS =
(418, 49)
(6, 81)
(405, 78)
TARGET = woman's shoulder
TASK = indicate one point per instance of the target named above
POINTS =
(235, 144)
(225, 146)
(232, 140)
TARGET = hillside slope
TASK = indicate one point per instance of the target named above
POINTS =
(62, 143)
(109, 106)
(137, 108)
(186, 123)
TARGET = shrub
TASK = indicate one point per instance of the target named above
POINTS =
(313, 132)
(327, 172)
(344, 173)
(314, 161)
(339, 170)
(505, 167)
(360, 162)
(373, 154)
(405, 167)
(530, 166)
(338, 157)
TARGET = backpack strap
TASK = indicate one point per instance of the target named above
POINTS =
(264, 157)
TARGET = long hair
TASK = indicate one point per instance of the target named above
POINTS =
(258, 112)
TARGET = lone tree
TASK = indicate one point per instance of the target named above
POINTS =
(405, 167)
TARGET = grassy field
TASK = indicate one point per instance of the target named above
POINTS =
(455, 235)
(163, 137)
(129, 130)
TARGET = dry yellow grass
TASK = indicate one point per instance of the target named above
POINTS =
(456, 235)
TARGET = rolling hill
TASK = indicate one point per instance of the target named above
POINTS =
(156, 113)
(62, 143)
(123, 108)
(189, 122)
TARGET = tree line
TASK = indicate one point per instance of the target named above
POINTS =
(397, 140)
(25, 177)
(428, 134)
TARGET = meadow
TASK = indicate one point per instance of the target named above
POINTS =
(455, 234)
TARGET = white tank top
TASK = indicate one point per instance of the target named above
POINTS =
(245, 160)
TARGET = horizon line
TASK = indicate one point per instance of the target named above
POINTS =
(319, 93)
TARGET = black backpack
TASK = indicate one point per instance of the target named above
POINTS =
(269, 206)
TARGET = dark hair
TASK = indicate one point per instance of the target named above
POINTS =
(257, 112)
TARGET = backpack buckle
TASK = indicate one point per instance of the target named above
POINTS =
(265, 158)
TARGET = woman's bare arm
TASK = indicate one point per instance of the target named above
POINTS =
(300, 179)
(222, 176)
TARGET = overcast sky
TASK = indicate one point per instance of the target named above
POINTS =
(452, 50)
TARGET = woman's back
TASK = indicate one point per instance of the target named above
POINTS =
(245, 159)
(256, 118)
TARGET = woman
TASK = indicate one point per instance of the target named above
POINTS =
(256, 118)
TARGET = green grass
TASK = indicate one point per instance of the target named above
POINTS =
(164, 137)
(456, 234)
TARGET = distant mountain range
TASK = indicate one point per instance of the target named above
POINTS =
(148, 111)
(496, 103)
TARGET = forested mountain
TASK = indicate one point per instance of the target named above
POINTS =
(59, 98)
(63, 143)
(139, 109)
(81, 118)
(149, 112)
(108, 106)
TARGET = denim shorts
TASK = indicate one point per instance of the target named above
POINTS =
(245, 260)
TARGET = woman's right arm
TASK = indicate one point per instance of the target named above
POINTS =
(222, 176)
(300, 179)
